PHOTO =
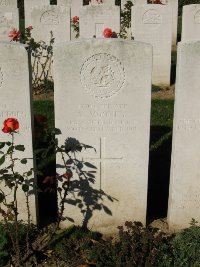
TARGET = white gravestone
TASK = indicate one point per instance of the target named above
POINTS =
(111, 87)
(153, 24)
(47, 19)
(15, 102)
(103, 2)
(191, 23)
(8, 3)
(75, 5)
(174, 6)
(28, 5)
(184, 194)
(94, 19)
(9, 20)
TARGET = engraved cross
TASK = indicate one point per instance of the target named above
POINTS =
(103, 159)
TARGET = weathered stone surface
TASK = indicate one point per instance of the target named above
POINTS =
(15, 102)
(184, 196)
(8, 3)
(153, 24)
(191, 23)
(94, 19)
(9, 19)
(47, 19)
(102, 98)
(28, 5)
(105, 3)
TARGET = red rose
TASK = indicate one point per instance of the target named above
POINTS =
(10, 125)
(29, 28)
(75, 19)
(107, 33)
(14, 35)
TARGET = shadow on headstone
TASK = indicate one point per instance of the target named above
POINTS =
(159, 172)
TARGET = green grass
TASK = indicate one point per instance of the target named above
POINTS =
(162, 113)
(46, 108)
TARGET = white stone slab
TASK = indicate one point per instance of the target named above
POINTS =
(47, 19)
(102, 98)
(94, 19)
(28, 5)
(174, 6)
(8, 4)
(191, 23)
(9, 19)
(184, 196)
(104, 3)
(75, 5)
(153, 24)
(15, 102)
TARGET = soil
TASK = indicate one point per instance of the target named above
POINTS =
(166, 92)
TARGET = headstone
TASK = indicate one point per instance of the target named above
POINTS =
(28, 5)
(191, 23)
(94, 19)
(184, 196)
(75, 5)
(153, 24)
(102, 2)
(174, 6)
(9, 20)
(111, 85)
(47, 19)
(8, 4)
(15, 102)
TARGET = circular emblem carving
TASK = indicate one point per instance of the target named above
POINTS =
(102, 75)
(152, 19)
(197, 17)
(50, 17)
(1, 78)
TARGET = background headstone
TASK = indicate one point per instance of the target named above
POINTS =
(28, 5)
(174, 6)
(94, 19)
(105, 3)
(110, 81)
(191, 23)
(9, 19)
(8, 3)
(15, 102)
(153, 24)
(47, 19)
(184, 196)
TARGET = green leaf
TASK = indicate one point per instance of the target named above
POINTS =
(25, 187)
(2, 144)
(10, 149)
(2, 160)
(24, 161)
(20, 147)
(29, 173)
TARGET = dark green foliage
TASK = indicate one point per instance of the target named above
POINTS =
(136, 247)
(4, 253)
(72, 243)
(186, 247)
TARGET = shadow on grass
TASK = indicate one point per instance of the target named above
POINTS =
(159, 172)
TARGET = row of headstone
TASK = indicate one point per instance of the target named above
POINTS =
(106, 79)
